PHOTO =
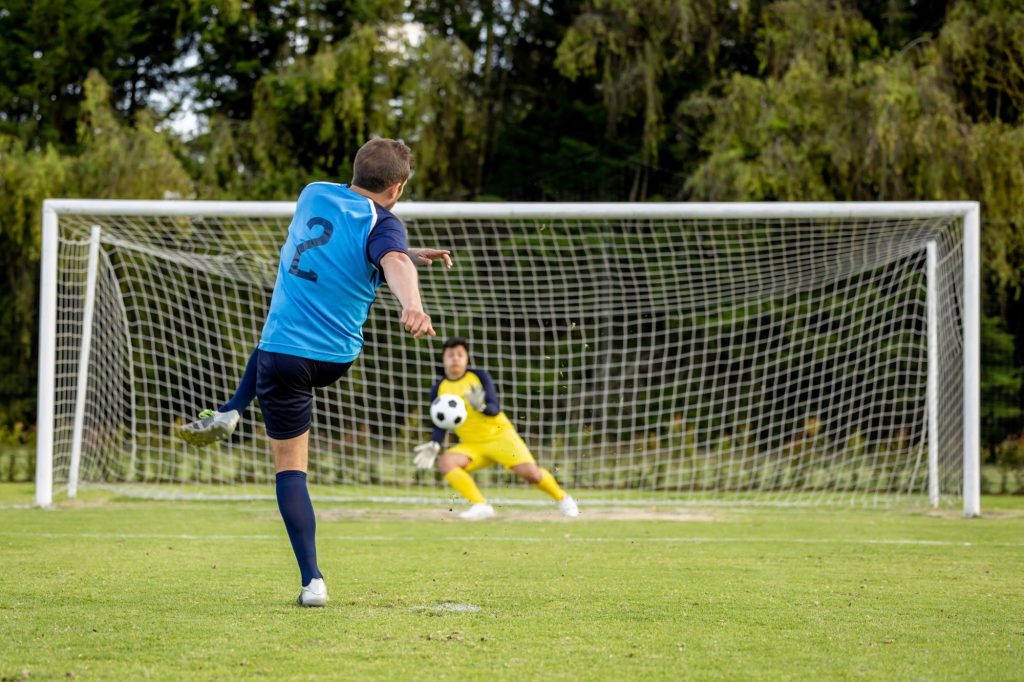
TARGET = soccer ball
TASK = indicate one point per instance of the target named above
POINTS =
(448, 411)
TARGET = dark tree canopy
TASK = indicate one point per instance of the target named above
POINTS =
(611, 100)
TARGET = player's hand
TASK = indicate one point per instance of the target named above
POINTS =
(426, 453)
(476, 398)
(417, 323)
(422, 256)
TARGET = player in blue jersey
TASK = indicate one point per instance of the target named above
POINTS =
(343, 242)
(486, 437)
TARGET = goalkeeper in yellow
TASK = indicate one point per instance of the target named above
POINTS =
(486, 437)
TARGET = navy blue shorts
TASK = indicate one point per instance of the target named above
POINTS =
(284, 385)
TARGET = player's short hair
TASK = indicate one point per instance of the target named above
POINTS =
(380, 163)
(454, 342)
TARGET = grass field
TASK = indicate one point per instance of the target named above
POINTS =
(112, 588)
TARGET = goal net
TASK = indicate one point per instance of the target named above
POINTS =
(656, 353)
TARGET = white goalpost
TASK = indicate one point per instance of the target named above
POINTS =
(764, 353)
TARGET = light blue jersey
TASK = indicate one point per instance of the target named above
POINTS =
(326, 281)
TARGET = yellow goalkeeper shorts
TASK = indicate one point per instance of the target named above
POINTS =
(508, 450)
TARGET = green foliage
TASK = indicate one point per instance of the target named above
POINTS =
(17, 451)
(826, 124)
(982, 45)
(578, 100)
(116, 160)
(636, 50)
(27, 177)
(831, 37)
(1000, 384)
(241, 43)
(311, 116)
(49, 47)
(122, 161)
(1010, 456)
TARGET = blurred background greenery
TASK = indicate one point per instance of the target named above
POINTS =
(523, 100)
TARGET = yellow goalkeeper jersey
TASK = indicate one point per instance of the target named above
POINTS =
(479, 427)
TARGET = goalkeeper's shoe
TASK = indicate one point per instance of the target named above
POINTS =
(313, 594)
(211, 426)
(478, 512)
(568, 507)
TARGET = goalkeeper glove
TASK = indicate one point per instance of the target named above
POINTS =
(476, 398)
(426, 453)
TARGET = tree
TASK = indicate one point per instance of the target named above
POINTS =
(239, 43)
(119, 160)
(311, 116)
(644, 54)
(1001, 413)
(116, 160)
(27, 177)
(50, 46)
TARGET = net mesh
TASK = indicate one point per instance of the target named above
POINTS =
(643, 361)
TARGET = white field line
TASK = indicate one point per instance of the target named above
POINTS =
(447, 499)
(504, 538)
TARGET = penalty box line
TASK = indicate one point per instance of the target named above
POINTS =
(567, 538)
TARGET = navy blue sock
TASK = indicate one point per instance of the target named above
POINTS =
(297, 512)
(246, 391)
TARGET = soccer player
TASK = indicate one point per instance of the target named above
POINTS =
(343, 242)
(486, 437)
(213, 425)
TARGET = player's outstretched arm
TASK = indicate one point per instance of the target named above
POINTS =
(425, 256)
(403, 280)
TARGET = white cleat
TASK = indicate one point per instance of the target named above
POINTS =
(211, 426)
(568, 507)
(313, 594)
(478, 512)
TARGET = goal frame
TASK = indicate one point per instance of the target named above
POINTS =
(968, 211)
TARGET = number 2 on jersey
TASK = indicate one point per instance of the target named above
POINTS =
(310, 244)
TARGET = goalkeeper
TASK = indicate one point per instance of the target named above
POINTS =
(486, 437)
